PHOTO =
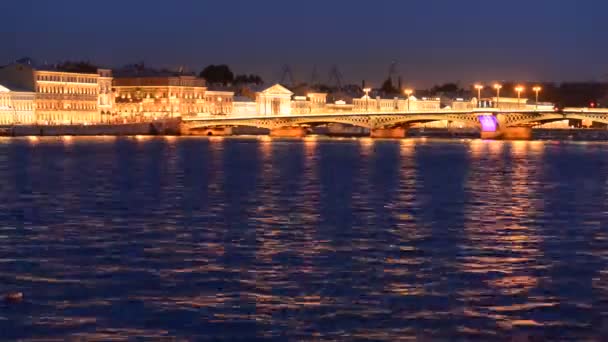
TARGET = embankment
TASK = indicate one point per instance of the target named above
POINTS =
(165, 127)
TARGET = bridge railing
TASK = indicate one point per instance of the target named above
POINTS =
(374, 113)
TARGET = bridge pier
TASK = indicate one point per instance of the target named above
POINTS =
(508, 133)
(214, 131)
(289, 132)
(389, 133)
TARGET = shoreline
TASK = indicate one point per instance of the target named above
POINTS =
(172, 128)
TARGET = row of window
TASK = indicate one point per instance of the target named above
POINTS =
(67, 106)
(73, 79)
(10, 118)
(17, 106)
(62, 90)
(159, 95)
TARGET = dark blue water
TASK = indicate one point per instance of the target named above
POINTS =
(112, 238)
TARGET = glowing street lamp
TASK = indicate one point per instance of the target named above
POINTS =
(519, 89)
(408, 93)
(537, 90)
(367, 90)
(479, 87)
(497, 87)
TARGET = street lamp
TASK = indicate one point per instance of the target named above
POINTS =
(537, 90)
(497, 87)
(479, 87)
(408, 93)
(367, 90)
(519, 89)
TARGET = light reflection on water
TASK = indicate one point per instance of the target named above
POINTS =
(303, 239)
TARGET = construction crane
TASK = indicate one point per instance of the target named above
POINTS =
(314, 77)
(393, 74)
(335, 77)
(286, 75)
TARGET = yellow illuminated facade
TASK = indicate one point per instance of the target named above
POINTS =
(16, 107)
(378, 104)
(66, 98)
(219, 102)
(106, 95)
(159, 97)
(275, 100)
(60, 97)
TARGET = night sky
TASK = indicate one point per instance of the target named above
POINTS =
(431, 40)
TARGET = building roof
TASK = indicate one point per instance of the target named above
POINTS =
(243, 99)
(5, 88)
(277, 89)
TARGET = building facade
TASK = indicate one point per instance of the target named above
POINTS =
(106, 95)
(378, 104)
(61, 97)
(275, 100)
(16, 107)
(157, 97)
(219, 102)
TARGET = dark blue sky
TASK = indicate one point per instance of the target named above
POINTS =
(432, 40)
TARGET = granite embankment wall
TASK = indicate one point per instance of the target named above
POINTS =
(168, 127)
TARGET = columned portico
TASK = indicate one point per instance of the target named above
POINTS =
(275, 100)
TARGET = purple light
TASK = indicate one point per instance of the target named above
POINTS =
(488, 123)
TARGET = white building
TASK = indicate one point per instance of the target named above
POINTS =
(16, 107)
(275, 100)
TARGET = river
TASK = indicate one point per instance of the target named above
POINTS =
(312, 239)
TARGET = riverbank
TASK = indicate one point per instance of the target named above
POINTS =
(165, 127)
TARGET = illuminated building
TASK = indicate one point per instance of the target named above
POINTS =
(159, 96)
(462, 104)
(396, 104)
(244, 106)
(275, 100)
(317, 102)
(218, 102)
(16, 107)
(106, 95)
(60, 97)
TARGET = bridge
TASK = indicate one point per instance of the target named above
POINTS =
(493, 123)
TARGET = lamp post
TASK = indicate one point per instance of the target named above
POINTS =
(497, 87)
(367, 90)
(479, 87)
(537, 90)
(408, 93)
(519, 89)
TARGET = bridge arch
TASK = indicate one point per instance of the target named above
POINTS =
(595, 117)
(391, 121)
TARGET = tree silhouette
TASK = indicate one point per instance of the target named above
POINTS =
(388, 87)
(248, 79)
(217, 74)
(77, 66)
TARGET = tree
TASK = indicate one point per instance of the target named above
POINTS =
(77, 66)
(388, 87)
(447, 88)
(217, 74)
(248, 79)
